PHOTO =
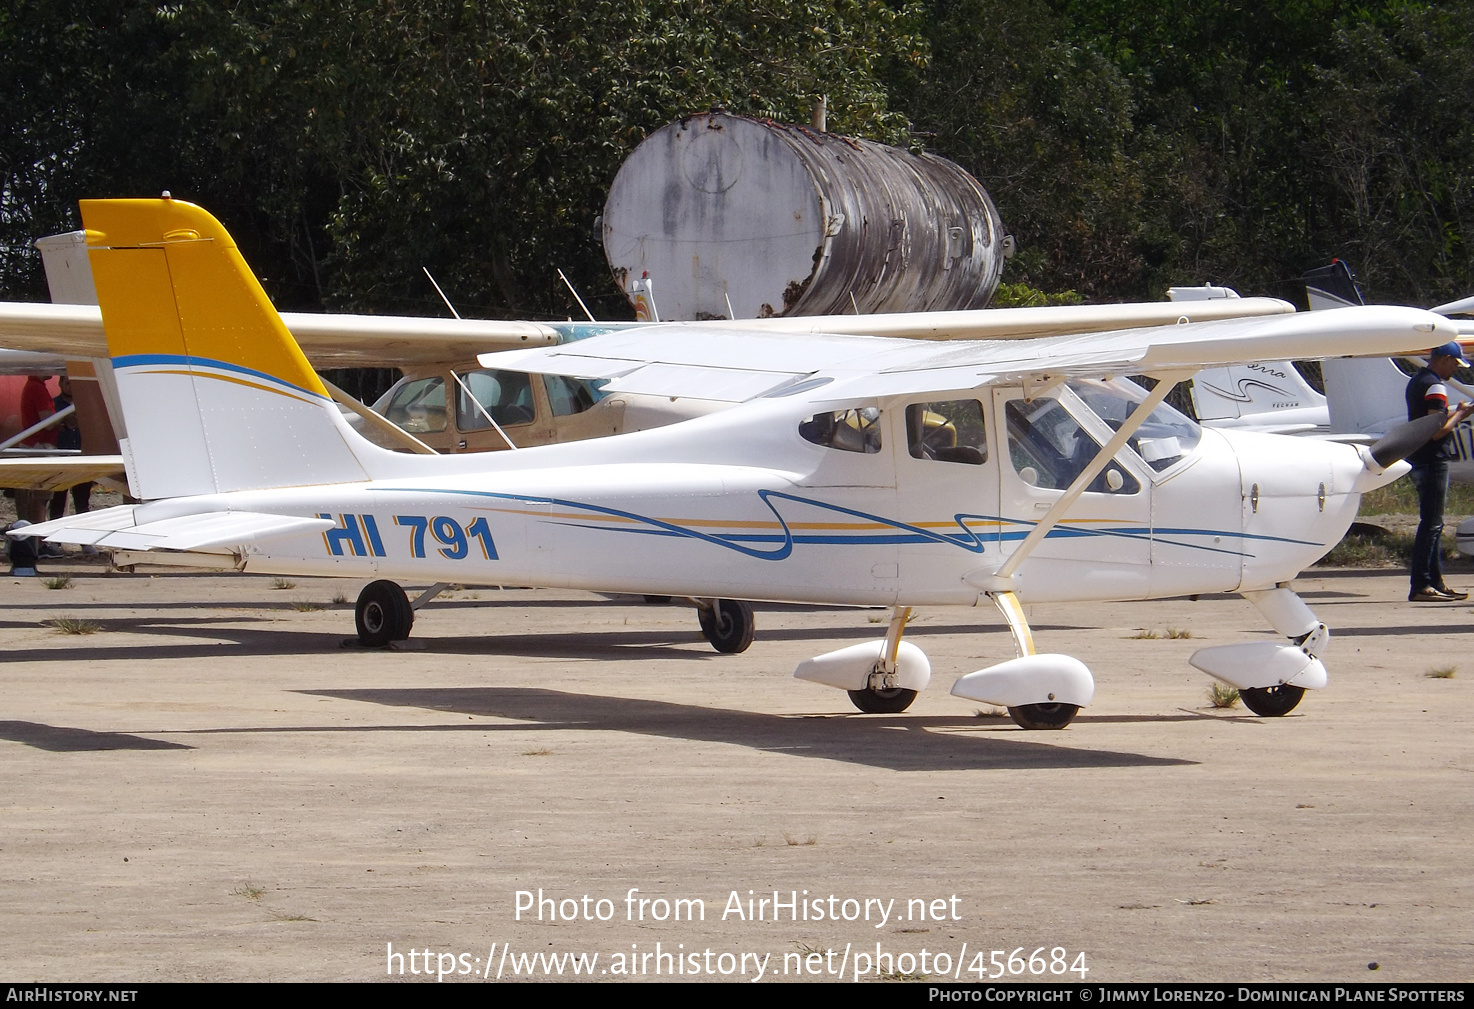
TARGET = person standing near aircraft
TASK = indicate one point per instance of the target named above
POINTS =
(1427, 394)
(35, 406)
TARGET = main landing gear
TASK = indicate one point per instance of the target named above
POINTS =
(383, 614)
(727, 623)
(1271, 702)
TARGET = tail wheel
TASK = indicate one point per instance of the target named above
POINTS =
(728, 624)
(1271, 702)
(383, 614)
(1044, 716)
(883, 701)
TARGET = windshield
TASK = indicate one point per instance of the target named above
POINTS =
(1164, 439)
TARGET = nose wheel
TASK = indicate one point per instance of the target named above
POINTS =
(383, 614)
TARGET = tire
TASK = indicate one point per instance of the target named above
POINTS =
(890, 701)
(1271, 702)
(1044, 716)
(383, 614)
(728, 625)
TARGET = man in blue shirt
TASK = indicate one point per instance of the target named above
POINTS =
(1427, 393)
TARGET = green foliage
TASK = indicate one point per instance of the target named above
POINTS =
(1129, 144)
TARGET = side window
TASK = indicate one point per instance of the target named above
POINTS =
(419, 406)
(569, 395)
(506, 395)
(846, 430)
(1050, 449)
(947, 431)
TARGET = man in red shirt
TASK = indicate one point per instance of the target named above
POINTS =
(35, 406)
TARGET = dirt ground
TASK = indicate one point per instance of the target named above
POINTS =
(209, 786)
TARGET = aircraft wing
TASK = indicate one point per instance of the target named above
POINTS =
(329, 341)
(740, 365)
(54, 472)
(120, 529)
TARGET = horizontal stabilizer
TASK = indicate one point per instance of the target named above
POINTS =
(115, 528)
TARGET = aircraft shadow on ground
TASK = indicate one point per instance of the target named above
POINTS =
(64, 739)
(893, 742)
(227, 638)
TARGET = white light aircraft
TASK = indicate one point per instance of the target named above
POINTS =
(852, 470)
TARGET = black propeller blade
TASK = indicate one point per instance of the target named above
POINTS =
(1404, 440)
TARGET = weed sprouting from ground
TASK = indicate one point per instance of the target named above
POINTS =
(1178, 633)
(59, 582)
(305, 606)
(794, 841)
(73, 625)
(1145, 634)
(1442, 673)
(537, 753)
(340, 599)
(282, 583)
(248, 891)
(1220, 695)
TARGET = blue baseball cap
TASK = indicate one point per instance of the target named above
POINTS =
(1450, 349)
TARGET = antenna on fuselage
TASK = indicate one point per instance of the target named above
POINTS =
(576, 298)
(441, 293)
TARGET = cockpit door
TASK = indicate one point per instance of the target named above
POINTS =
(1102, 545)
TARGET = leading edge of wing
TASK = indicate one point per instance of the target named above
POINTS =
(694, 361)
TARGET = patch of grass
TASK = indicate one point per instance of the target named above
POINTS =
(59, 582)
(1145, 634)
(537, 753)
(991, 711)
(1442, 673)
(341, 599)
(283, 583)
(1221, 695)
(794, 841)
(73, 625)
(1401, 498)
(1370, 549)
(306, 606)
(248, 891)
(1178, 633)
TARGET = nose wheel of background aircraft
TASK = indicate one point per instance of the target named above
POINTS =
(1044, 716)
(1272, 702)
(728, 624)
(383, 614)
(882, 701)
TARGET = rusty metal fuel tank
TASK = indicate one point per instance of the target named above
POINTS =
(733, 217)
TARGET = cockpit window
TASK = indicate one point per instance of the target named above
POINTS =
(419, 406)
(506, 395)
(1049, 449)
(570, 395)
(947, 431)
(1164, 438)
(847, 430)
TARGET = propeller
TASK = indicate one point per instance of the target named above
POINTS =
(1405, 439)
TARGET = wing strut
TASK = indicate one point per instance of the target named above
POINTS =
(1108, 452)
